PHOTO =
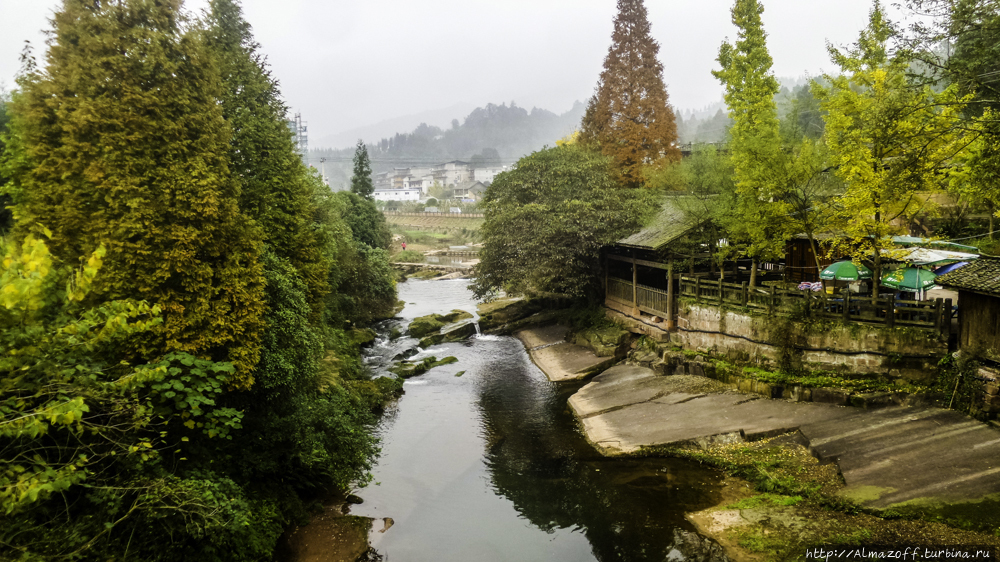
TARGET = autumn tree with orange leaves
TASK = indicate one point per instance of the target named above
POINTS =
(628, 118)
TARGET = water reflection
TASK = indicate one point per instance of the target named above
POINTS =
(627, 509)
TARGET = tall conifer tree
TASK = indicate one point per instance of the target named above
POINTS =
(759, 164)
(275, 189)
(121, 141)
(628, 117)
(361, 181)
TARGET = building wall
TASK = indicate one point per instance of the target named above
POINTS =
(397, 194)
(979, 318)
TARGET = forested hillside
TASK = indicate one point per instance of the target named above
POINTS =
(180, 298)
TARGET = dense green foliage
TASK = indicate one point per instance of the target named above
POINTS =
(759, 227)
(184, 392)
(6, 216)
(366, 222)
(275, 188)
(890, 141)
(971, 29)
(547, 220)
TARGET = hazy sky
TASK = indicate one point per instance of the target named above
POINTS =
(347, 64)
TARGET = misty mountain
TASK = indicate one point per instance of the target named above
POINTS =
(711, 123)
(389, 127)
(504, 132)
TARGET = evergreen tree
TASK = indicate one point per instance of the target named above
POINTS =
(758, 225)
(628, 117)
(121, 141)
(361, 181)
(274, 182)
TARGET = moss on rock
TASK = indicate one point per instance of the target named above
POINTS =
(423, 325)
(409, 369)
(604, 341)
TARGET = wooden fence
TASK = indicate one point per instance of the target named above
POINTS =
(646, 299)
(888, 311)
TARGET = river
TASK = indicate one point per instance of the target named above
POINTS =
(490, 466)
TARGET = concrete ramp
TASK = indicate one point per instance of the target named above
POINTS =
(559, 360)
(917, 455)
(896, 457)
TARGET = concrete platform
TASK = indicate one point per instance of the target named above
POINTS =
(559, 360)
(890, 458)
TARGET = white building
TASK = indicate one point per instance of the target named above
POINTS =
(397, 194)
(486, 175)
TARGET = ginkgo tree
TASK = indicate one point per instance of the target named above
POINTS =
(889, 141)
(757, 224)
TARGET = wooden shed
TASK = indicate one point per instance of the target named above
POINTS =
(978, 286)
(641, 269)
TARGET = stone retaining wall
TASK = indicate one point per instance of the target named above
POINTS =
(677, 363)
(910, 353)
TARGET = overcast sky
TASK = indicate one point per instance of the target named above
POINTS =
(347, 64)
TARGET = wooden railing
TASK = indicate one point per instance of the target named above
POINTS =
(647, 299)
(620, 290)
(934, 314)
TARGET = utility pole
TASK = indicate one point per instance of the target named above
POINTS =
(322, 163)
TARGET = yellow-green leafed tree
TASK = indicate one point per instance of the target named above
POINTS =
(889, 140)
(119, 139)
(759, 222)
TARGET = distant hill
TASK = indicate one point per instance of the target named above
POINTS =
(495, 132)
(389, 127)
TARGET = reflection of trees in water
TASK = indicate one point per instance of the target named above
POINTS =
(628, 509)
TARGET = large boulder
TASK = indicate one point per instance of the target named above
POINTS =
(604, 341)
(423, 325)
(455, 333)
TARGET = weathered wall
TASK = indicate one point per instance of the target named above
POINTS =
(980, 323)
(903, 352)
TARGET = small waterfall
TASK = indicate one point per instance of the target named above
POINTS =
(478, 331)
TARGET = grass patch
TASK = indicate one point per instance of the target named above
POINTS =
(774, 469)
(764, 500)
(408, 256)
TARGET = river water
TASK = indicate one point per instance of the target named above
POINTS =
(490, 465)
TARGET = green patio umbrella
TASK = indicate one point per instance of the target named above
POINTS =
(909, 279)
(845, 271)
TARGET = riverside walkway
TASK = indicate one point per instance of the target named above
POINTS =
(888, 457)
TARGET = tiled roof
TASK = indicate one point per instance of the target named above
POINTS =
(982, 276)
(669, 225)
